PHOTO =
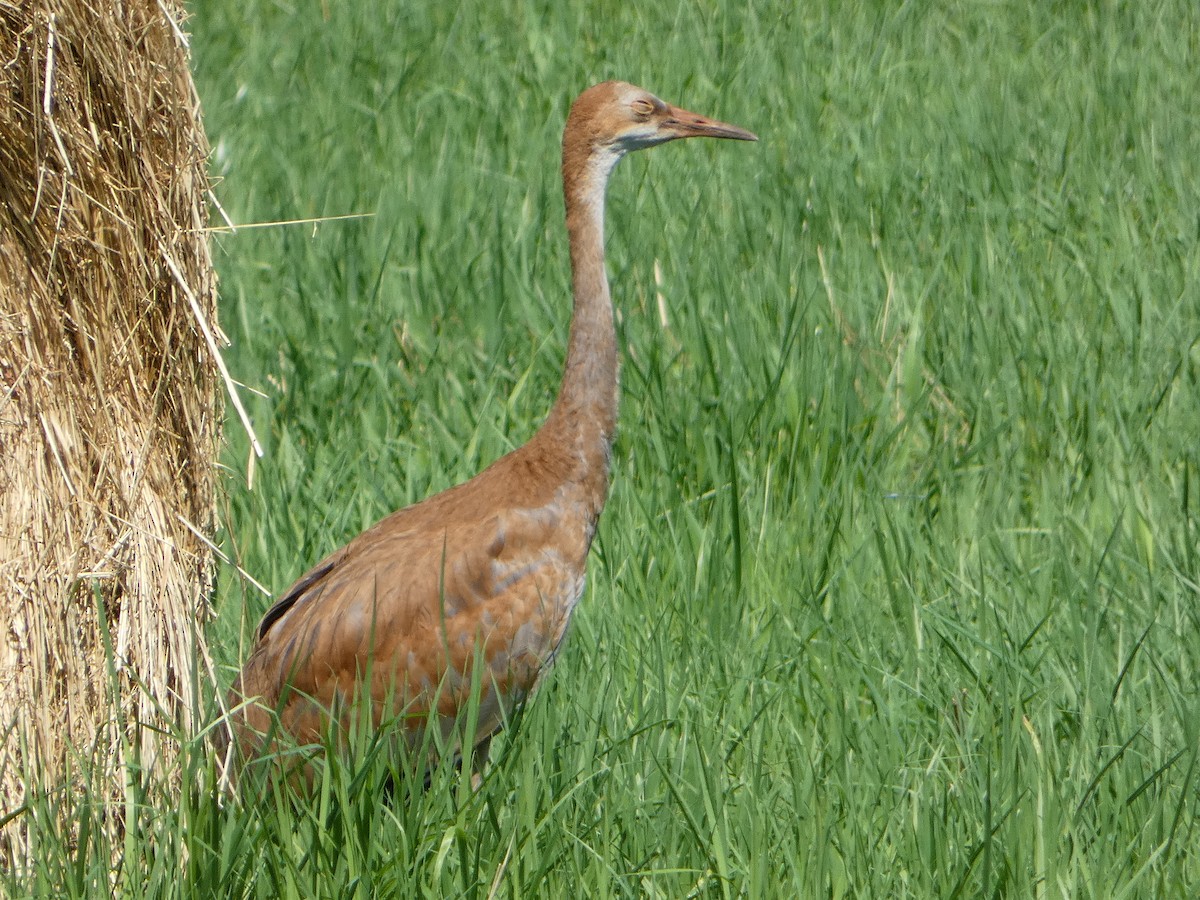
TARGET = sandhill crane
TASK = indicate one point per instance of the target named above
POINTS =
(488, 572)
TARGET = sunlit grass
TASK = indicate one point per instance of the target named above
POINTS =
(896, 592)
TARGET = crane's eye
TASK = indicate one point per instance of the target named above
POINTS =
(642, 108)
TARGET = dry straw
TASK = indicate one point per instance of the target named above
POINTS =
(109, 414)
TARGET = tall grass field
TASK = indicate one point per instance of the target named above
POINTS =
(897, 593)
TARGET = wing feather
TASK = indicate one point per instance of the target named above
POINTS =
(417, 608)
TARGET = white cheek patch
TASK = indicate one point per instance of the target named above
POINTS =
(646, 136)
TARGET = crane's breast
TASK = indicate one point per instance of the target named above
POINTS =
(508, 602)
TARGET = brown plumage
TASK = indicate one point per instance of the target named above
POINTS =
(489, 570)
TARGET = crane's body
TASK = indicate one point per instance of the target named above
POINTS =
(488, 572)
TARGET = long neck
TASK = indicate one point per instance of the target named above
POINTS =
(584, 417)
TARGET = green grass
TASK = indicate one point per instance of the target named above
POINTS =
(897, 590)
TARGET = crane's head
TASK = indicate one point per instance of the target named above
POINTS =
(611, 119)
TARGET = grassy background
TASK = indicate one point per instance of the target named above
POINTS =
(896, 594)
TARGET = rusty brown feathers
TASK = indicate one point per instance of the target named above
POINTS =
(488, 572)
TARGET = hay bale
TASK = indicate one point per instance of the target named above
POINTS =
(109, 414)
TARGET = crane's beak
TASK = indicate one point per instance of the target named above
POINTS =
(680, 123)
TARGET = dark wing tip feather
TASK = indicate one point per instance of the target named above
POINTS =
(295, 592)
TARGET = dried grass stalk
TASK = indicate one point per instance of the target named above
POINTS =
(109, 412)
